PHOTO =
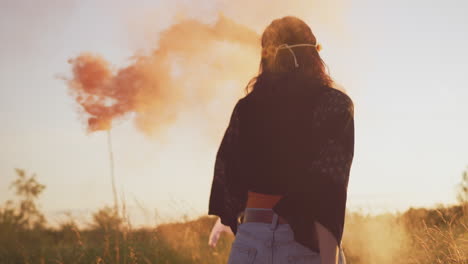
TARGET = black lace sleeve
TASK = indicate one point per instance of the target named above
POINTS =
(228, 197)
(321, 194)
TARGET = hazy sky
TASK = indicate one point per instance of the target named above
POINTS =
(404, 63)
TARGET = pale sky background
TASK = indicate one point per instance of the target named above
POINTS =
(404, 63)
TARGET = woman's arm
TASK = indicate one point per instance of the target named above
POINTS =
(227, 197)
(327, 244)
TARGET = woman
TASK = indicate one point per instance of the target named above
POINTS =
(282, 169)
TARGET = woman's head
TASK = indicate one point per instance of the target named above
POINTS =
(279, 63)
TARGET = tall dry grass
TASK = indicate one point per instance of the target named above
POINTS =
(417, 236)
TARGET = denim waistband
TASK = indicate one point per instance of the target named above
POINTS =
(275, 221)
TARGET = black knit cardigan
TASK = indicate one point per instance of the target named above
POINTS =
(300, 145)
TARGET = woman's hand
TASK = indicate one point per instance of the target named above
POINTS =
(218, 228)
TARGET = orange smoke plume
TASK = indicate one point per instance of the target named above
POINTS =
(156, 87)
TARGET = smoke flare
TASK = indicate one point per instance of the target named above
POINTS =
(186, 68)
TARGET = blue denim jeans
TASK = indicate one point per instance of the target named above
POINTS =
(265, 243)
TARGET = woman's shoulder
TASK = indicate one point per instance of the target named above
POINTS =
(240, 102)
(244, 101)
(336, 100)
(239, 107)
(337, 95)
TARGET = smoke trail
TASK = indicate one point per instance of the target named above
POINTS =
(191, 61)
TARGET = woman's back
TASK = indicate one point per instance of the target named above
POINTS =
(276, 138)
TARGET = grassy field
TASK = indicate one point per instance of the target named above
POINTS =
(418, 236)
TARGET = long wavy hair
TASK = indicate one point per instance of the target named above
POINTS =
(277, 67)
